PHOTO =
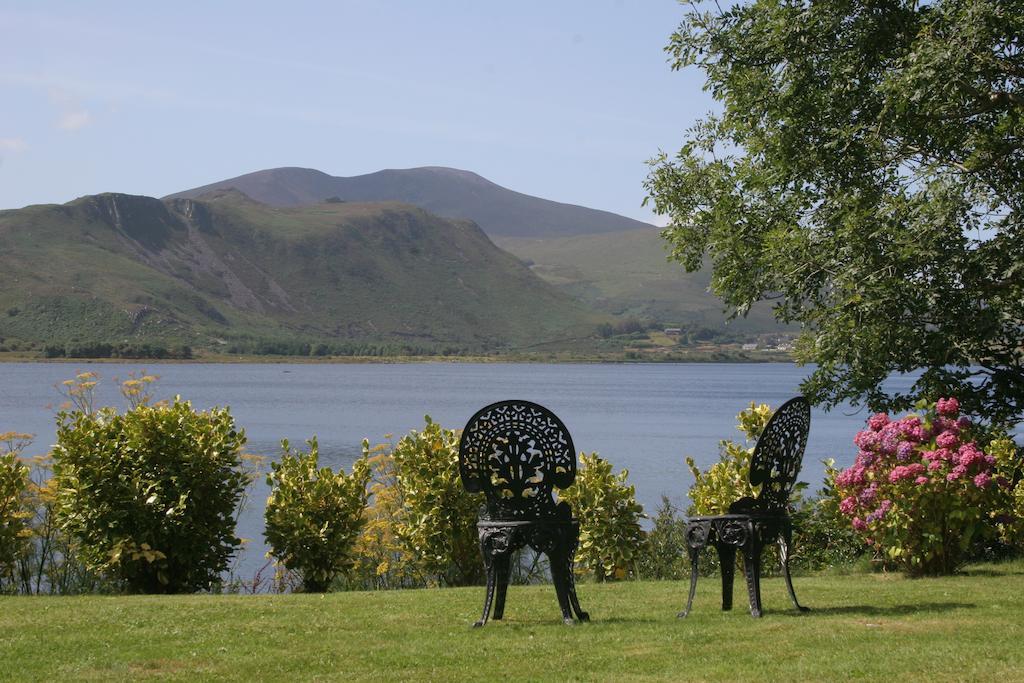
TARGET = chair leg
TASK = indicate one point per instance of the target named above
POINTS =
(727, 564)
(502, 571)
(489, 562)
(574, 601)
(694, 558)
(785, 543)
(752, 570)
(559, 576)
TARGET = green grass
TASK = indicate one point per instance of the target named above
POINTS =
(861, 627)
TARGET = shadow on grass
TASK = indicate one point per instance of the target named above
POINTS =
(887, 611)
(990, 572)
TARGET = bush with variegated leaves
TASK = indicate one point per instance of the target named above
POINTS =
(314, 515)
(605, 504)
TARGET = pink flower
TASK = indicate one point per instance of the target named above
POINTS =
(888, 443)
(969, 455)
(866, 440)
(859, 524)
(901, 472)
(847, 506)
(921, 481)
(853, 476)
(877, 421)
(948, 406)
(868, 494)
(904, 450)
(934, 465)
(865, 459)
(943, 424)
(881, 511)
(956, 473)
(947, 440)
(982, 480)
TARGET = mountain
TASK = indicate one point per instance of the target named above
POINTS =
(226, 270)
(627, 274)
(444, 191)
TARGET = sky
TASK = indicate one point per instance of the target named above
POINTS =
(564, 100)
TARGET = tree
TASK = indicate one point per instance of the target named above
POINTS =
(866, 175)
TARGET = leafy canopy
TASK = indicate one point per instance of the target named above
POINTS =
(865, 174)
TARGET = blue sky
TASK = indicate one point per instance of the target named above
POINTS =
(564, 100)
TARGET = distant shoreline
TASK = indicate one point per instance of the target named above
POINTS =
(701, 357)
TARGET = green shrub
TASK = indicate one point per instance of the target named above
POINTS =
(14, 513)
(610, 533)
(1009, 517)
(51, 563)
(664, 554)
(150, 494)
(314, 516)
(436, 524)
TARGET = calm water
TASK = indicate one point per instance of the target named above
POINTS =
(644, 417)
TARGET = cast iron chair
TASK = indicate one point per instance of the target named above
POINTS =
(751, 523)
(516, 452)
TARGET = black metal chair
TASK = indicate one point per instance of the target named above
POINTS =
(753, 522)
(516, 452)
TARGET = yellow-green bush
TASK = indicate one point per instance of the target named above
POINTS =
(436, 524)
(314, 515)
(381, 560)
(605, 505)
(151, 494)
(1009, 517)
(728, 480)
(14, 514)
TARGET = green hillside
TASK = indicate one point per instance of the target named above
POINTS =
(225, 271)
(627, 273)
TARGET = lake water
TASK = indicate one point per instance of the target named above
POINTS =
(644, 417)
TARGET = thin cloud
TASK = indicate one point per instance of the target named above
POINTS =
(74, 120)
(13, 145)
(72, 115)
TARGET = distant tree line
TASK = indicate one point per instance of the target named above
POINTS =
(118, 350)
(291, 347)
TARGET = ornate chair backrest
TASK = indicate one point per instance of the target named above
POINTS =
(779, 454)
(516, 452)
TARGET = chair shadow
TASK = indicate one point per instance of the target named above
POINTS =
(876, 611)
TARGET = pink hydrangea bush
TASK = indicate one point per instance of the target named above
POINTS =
(921, 489)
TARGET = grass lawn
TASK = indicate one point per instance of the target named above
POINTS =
(862, 627)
